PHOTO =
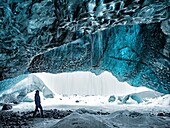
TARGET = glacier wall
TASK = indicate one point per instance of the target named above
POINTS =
(128, 52)
(130, 39)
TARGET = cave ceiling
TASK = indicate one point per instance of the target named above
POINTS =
(129, 38)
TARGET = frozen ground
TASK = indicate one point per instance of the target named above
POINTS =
(97, 112)
(73, 102)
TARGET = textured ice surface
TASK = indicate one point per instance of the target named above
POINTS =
(128, 38)
(123, 50)
(134, 97)
(17, 92)
(8, 83)
(112, 98)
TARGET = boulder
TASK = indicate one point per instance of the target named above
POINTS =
(7, 107)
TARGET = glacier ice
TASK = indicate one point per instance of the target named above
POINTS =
(140, 97)
(8, 83)
(18, 91)
(112, 98)
(130, 39)
(134, 97)
(123, 50)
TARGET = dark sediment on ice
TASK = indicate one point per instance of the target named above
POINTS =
(11, 119)
(25, 119)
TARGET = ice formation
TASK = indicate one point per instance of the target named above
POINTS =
(18, 92)
(130, 39)
(112, 98)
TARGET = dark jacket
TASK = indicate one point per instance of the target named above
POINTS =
(37, 100)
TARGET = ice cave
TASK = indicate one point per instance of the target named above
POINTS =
(85, 63)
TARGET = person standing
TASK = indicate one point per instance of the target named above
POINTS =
(37, 104)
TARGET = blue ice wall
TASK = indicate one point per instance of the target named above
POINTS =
(131, 57)
(127, 51)
(123, 53)
(8, 83)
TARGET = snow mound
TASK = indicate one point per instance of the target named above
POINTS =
(149, 94)
(163, 100)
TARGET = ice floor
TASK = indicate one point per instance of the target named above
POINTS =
(129, 115)
(73, 102)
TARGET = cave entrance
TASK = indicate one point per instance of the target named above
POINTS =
(87, 83)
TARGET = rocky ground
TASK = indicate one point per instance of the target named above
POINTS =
(11, 119)
(23, 119)
(51, 118)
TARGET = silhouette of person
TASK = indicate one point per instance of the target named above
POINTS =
(37, 104)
